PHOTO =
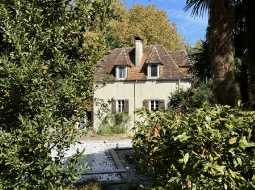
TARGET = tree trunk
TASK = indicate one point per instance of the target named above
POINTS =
(251, 51)
(221, 45)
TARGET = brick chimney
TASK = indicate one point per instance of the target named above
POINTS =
(138, 50)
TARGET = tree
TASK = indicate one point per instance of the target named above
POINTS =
(150, 24)
(250, 44)
(46, 74)
(200, 59)
(221, 45)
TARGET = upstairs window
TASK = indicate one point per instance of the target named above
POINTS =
(121, 72)
(153, 71)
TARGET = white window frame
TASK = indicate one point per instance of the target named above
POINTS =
(154, 106)
(117, 72)
(149, 71)
(122, 105)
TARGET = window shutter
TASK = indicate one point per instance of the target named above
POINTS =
(113, 106)
(146, 104)
(162, 105)
(126, 106)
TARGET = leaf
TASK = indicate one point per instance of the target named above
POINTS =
(243, 143)
(186, 158)
(239, 161)
(182, 138)
(219, 168)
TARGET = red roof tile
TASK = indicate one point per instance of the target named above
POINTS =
(173, 65)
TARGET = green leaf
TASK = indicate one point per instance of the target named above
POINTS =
(182, 138)
(243, 143)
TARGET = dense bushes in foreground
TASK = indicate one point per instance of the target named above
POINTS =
(210, 148)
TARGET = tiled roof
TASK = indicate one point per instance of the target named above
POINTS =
(153, 56)
(173, 65)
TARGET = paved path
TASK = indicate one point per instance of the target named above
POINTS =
(98, 158)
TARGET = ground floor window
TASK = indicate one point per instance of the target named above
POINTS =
(154, 105)
(120, 106)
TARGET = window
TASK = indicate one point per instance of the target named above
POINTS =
(121, 72)
(120, 106)
(154, 105)
(153, 71)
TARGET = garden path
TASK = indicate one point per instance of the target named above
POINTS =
(97, 156)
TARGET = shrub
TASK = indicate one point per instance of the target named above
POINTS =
(114, 124)
(210, 148)
(46, 78)
(191, 99)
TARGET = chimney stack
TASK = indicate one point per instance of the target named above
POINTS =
(138, 50)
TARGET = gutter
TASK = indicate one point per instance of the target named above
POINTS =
(134, 100)
(144, 80)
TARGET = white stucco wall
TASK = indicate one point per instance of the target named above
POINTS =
(135, 91)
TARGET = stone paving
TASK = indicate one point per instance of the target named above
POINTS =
(98, 158)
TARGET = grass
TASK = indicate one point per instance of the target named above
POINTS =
(110, 130)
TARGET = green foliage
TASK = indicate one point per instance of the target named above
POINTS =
(114, 124)
(201, 67)
(191, 99)
(210, 148)
(46, 73)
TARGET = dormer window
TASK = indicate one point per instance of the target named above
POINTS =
(153, 71)
(121, 72)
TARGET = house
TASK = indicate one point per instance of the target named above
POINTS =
(128, 79)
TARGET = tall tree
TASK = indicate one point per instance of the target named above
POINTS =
(250, 41)
(46, 74)
(241, 51)
(148, 23)
(221, 46)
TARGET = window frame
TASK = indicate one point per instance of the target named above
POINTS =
(121, 106)
(117, 72)
(149, 71)
(156, 103)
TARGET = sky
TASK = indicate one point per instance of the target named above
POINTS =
(190, 27)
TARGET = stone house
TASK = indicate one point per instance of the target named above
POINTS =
(128, 79)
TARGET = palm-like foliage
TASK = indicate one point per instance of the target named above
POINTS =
(199, 7)
(201, 67)
(221, 44)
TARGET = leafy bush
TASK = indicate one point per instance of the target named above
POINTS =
(210, 148)
(46, 75)
(191, 99)
(114, 124)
